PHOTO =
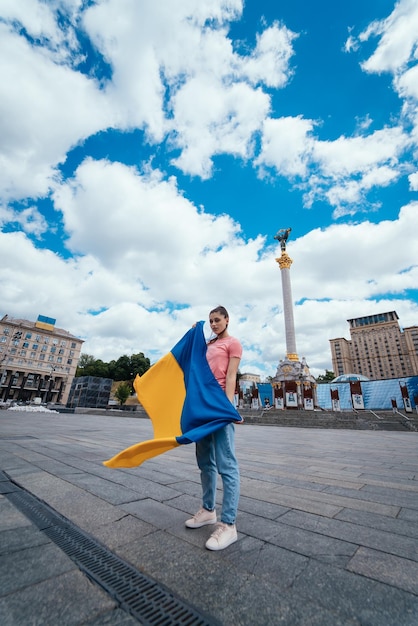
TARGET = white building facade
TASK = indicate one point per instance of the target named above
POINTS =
(37, 360)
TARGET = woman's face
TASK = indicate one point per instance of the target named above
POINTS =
(218, 323)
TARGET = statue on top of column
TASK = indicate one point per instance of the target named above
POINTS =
(282, 236)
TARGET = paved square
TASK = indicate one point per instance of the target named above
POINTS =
(327, 524)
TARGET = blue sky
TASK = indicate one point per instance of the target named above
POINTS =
(150, 152)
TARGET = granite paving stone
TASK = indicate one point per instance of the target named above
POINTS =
(262, 508)
(104, 489)
(362, 535)
(408, 514)
(397, 526)
(258, 526)
(321, 547)
(344, 501)
(10, 517)
(381, 495)
(69, 599)
(371, 602)
(268, 561)
(122, 531)
(258, 490)
(114, 617)
(57, 468)
(19, 538)
(394, 570)
(397, 495)
(32, 565)
(156, 513)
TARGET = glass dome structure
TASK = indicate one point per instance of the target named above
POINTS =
(348, 378)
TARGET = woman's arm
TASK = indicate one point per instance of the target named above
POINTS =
(231, 378)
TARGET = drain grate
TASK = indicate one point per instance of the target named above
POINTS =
(139, 595)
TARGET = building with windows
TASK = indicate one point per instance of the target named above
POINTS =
(37, 360)
(378, 348)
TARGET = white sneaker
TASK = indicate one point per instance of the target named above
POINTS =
(222, 537)
(202, 518)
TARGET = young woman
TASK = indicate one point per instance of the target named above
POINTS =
(216, 452)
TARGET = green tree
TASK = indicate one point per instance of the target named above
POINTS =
(123, 392)
(326, 378)
(89, 366)
(126, 368)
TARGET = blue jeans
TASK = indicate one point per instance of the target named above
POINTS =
(216, 454)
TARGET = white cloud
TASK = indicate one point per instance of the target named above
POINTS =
(361, 260)
(342, 171)
(36, 18)
(413, 181)
(141, 227)
(397, 53)
(45, 108)
(30, 220)
(269, 63)
(350, 155)
(398, 38)
(211, 119)
(286, 145)
(407, 83)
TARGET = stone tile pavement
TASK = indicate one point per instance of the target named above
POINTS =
(328, 525)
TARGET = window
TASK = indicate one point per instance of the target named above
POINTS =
(25, 344)
(63, 343)
(3, 340)
(73, 344)
(53, 350)
(50, 358)
(28, 336)
(6, 331)
(42, 357)
(69, 361)
(35, 346)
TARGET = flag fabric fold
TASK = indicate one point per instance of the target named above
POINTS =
(182, 398)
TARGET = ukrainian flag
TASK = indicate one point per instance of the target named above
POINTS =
(182, 398)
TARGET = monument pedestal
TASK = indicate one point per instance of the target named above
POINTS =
(295, 385)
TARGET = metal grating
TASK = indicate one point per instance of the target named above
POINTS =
(139, 595)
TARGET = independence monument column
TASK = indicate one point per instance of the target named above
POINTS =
(294, 385)
(285, 262)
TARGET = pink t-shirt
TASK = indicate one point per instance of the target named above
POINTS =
(218, 354)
